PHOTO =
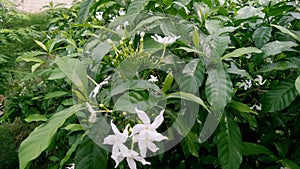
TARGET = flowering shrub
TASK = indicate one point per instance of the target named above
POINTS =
(216, 81)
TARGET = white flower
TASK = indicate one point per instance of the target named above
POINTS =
(98, 87)
(146, 133)
(125, 24)
(99, 15)
(117, 140)
(93, 116)
(121, 12)
(246, 84)
(71, 167)
(166, 40)
(68, 6)
(131, 156)
(112, 19)
(256, 107)
(260, 80)
(153, 79)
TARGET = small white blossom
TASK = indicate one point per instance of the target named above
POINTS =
(68, 6)
(260, 80)
(99, 15)
(93, 116)
(125, 24)
(146, 133)
(122, 13)
(246, 84)
(131, 156)
(117, 140)
(112, 19)
(98, 87)
(256, 107)
(153, 79)
(165, 40)
(71, 167)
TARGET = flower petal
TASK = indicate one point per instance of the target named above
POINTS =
(117, 159)
(110, 140)
(114, 128)
(142, 160)
(157, 121)
(143, 116)
(138, 128)
(131, 163)
(143, 147)
(151, 146)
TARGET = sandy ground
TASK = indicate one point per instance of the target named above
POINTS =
(34, 6)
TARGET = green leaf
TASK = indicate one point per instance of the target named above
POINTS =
(31, 57)
(286, 31)
(167, 83)
(248, 12)
(254, 149)
(90, 156)
(35, 66)
(83, 13)
(229, 143)
(277, 47)
(297, 84)
(283, 64)
(191, 145)
(136, 6)
(235, 70)
(261, 36)
(41, 45)
(216, 27)
(35, 117)
(196, 37)
(187, 96)
(192, 76)
(192, 51)
(218, 45)
(218, 87)
(75, 71)
(280, 96)
(150, 20)
(240, 52)
(41, 137)
(241, 107)
(100, 51)
(73, 127)
(288, 164)
(70, 151)
(55, 94)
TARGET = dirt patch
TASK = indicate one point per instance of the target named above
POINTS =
(33, 6)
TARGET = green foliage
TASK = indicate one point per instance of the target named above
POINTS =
(229, 85)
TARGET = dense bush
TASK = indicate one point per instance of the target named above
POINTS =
(223, 76)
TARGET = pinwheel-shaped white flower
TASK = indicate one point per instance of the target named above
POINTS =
(165, 40)
(131, 156)
(246, 84)
(98, 87)
(153, 79)
(260, 80)
(117, 140)
(146, 133)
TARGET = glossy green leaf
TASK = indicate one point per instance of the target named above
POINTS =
(41, 137)
(217, 45)
(254, 149)
(248, 12)
(241, 107)
(55, 94)
(192, 51)
(137, 6)
(277, 47)
(90, 156)
(78, 76)
(187, 96)
(71, 151)
(286, 31)
(31, 57)
(283, 64)
(196, 38)
(297, 84)
(191, 145)
(35, 118)
(41, 45)
(261, 36)
(289, 164)
(168, 82)
(192, 76)
(229, 143)
(280, 96)
(217, 28)
(84, 10)
(218, 87)
(240, 52)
